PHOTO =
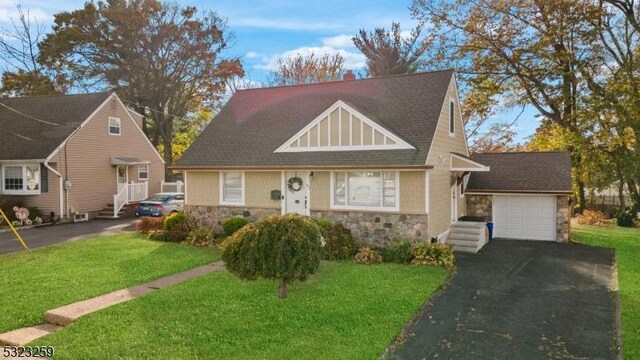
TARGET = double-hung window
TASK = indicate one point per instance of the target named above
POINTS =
(232, 188)
(115, 126)
(365, 190)
(21, 179)
(143, 172)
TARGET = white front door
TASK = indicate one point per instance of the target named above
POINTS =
(296, 192)
(122, 176)
(527, 217)
(454, 204)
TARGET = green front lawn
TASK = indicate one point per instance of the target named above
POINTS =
(626, 241)
(345, 311)
(46, 278)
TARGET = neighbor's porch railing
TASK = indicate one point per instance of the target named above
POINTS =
(171, 186)
(130, 192)
(120, 200)
(138, 191)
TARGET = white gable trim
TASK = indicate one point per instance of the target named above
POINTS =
(399, 142)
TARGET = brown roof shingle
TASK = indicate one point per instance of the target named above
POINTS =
(522, 171)
(256, 122)
(23, 138)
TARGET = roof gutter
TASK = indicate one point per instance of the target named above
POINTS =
(303, 167)
(60, 185)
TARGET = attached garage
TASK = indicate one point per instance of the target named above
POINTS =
(527, 195)
(525, 217)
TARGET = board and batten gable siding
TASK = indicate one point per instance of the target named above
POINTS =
(439, 157)
(88, 154)
(202, 188)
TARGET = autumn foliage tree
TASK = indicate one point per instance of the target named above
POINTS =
(158, 56)
(391, 52)
(284, 248)
(307, 69)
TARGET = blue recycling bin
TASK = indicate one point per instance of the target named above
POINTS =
(490, 228)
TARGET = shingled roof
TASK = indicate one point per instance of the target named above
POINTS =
(24, 137)
(255, 122)
(536, 172)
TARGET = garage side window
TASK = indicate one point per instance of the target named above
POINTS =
(452, 122)
(143, 172)
(232, 188)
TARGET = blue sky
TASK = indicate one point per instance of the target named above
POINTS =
(268, 29)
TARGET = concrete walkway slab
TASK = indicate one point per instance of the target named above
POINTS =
(65, 315)
(28, 334)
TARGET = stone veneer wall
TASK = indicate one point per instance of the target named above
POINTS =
(563, 218)
(371, 228)
(378, 229)
(480, 205)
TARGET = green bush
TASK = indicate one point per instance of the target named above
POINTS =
(367, 256)
(433, 254)
(157, 235)
(339, 243)
(324, 224)
(231, 225)
(177, 227)
(200, 237)
(625, 218)
(285, 248)
(399, 251)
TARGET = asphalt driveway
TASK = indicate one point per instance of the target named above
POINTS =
(49, 235)
(520, 300)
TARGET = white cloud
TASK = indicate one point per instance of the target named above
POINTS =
(339, 41)
(253, 55)
(352, 59)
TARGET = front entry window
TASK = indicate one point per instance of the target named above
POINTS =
(365, 190)
(21, 179)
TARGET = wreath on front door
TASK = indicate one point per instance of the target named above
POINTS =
(294, 184)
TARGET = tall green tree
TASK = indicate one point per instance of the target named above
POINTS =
(390, 52)
(157, 55)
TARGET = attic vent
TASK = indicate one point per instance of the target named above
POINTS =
(342, 128)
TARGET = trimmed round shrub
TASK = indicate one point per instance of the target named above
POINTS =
(399, 251)
(340, 244)
(367, 256)
(177, 227)
(231, 225)
(433, 254)
(285, 248)
(200, 237)
(625, 218)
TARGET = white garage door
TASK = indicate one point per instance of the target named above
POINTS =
(530, 217)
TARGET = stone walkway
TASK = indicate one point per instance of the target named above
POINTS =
(65, 315)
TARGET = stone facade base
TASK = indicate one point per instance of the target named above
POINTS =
(370, 228)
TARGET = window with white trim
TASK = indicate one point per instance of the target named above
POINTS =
(232, 188)
(115, 126)
(21, 179)
(143, 172)
(376, 190)
(452, 121)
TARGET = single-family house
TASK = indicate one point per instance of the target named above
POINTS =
(385, 156)
(75, 155)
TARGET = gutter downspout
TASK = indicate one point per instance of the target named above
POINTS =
(60, 187)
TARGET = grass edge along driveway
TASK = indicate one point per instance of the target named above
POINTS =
(345, 311)
(49, 277)
(626, 241)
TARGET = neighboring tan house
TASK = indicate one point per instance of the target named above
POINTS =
(385, 156)
(75, 154)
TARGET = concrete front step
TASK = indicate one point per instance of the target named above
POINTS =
(27, 335)
(464, 242)
(468, 249)
(455, 234)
